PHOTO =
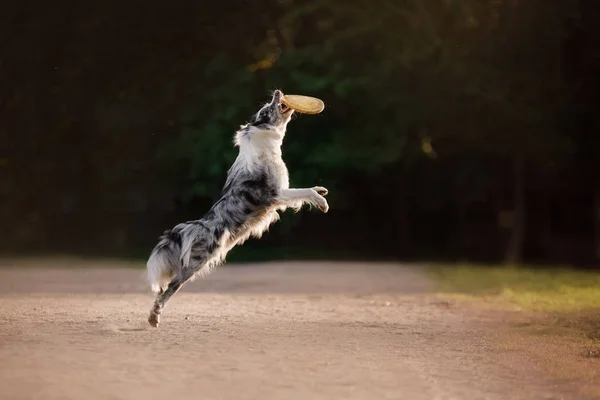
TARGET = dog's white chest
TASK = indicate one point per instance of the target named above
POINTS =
(279, 174)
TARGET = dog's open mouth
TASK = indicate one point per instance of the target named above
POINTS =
(283, 108)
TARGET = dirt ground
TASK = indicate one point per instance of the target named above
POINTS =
(261, 331)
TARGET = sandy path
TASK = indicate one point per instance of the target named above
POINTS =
(269, 331)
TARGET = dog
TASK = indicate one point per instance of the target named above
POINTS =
(256, 188)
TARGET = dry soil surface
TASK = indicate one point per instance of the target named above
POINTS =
(262, 331)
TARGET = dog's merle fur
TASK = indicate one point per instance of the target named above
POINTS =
(257, 187)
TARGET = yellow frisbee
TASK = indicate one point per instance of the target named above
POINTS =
(303, 104)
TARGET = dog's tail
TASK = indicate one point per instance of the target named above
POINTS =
(164, 262)
(173, 252)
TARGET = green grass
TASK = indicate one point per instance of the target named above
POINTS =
(559, 315)
(560, 290)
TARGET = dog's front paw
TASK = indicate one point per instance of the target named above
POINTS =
(321, 190)
(321, 203)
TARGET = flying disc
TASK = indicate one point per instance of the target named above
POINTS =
(303, 104)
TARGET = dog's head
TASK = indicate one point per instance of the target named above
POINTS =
(267, 127)
(274, 115)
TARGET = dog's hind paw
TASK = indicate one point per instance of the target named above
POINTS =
(154, 319)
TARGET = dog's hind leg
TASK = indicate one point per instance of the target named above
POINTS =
(172, 288)
(163, 297)
(202, 256)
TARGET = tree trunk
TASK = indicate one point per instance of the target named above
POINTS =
(597, 218)
(463, 236)
(514, 251)
(401, 220)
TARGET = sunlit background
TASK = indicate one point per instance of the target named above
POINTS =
(460, 143)
(453, 130)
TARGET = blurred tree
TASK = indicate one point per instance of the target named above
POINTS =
(422, 71)
(443, 118)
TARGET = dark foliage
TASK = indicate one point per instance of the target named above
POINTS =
(452, 129)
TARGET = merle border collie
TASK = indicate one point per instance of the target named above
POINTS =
(257, 187)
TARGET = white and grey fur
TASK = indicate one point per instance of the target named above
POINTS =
(257, 186)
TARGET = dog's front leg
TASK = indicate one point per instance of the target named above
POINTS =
(295, 198)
